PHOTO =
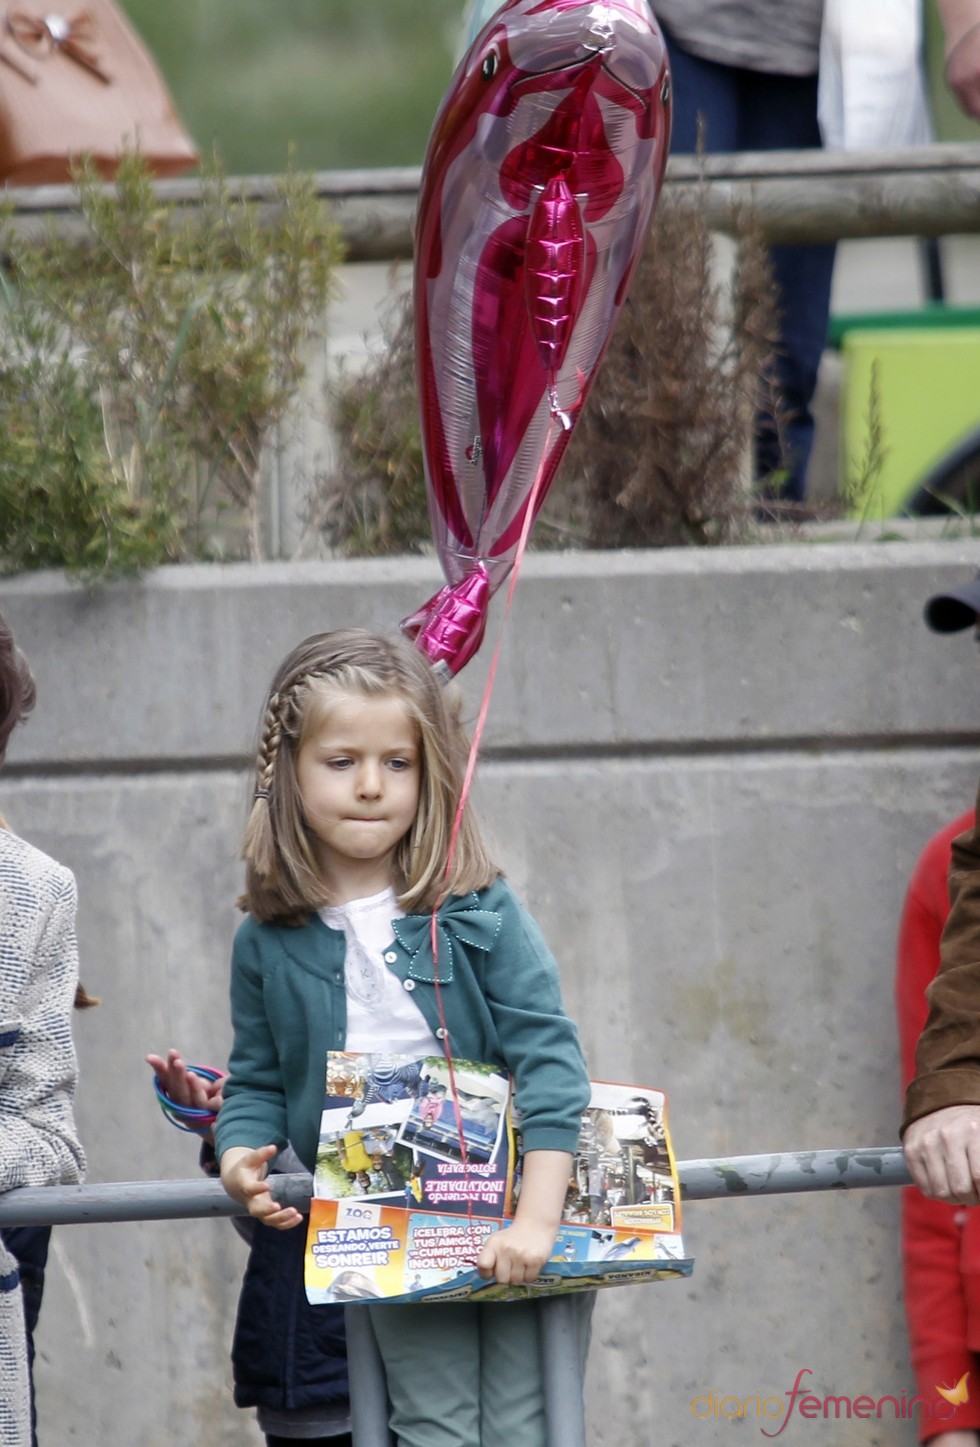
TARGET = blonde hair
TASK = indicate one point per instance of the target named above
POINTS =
(282, 880)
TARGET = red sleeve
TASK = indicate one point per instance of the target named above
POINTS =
(935, 1304)
(935, 1310)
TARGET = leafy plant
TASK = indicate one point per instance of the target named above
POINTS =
(861, 485)
(174, 343)
(61, 502)
(375, 500)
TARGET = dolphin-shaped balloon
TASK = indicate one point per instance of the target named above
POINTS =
(543, 168)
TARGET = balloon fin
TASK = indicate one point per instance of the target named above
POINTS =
(449, 628)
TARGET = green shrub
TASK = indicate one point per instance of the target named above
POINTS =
(375, 501)
(145, 365)
(61, 504)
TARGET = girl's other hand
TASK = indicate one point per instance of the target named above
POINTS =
(182, 1085)
(516, 1255)
(244, 1176)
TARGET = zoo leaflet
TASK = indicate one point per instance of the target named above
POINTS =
(398, 1214)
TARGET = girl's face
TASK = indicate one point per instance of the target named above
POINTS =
(359, 772)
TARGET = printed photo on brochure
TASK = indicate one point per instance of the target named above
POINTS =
(416, 1167)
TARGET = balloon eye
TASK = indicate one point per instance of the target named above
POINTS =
(489, 68)
(665, 91)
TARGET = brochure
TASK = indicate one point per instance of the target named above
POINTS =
(415, 1170)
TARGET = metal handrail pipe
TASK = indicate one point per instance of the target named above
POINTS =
(793, 1171)
(701, 1180)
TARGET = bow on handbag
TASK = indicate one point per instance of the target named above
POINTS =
(40, 37)
(79, 81)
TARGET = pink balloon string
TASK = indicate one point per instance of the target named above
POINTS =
(464, 794)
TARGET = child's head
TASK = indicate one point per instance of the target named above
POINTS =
(319, 679)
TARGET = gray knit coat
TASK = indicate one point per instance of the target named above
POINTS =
(38, 1142)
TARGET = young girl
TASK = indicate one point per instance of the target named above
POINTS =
(359, 771)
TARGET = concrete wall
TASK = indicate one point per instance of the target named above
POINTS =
(709, 772)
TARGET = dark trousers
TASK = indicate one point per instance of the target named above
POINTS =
(29, 1244)
(748, 110)
(344, 1440)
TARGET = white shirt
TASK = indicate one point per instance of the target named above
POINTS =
(381, 1014)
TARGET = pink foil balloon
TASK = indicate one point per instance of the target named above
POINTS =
(544, 165)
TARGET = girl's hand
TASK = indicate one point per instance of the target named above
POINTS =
(961, 1437)
(243, 1175)
(516, 1255)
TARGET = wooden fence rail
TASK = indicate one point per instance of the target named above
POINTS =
(795, 195)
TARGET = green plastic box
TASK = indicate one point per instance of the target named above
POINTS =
(928, 389)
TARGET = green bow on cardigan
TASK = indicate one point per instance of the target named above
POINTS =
(460, 918)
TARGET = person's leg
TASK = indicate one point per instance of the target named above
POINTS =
(511, 1381)
(432, 1363)
(343, 1440)
(704, 101)
(15, 1392)
(779, 112)
(733, 109)
(29, 1245)
(784, 435)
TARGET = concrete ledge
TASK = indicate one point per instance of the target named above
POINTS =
(631, 650)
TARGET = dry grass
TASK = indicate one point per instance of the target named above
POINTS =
(662, 453)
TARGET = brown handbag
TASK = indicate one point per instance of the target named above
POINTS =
(76, 83)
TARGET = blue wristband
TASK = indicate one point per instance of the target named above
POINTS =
(188, 1117)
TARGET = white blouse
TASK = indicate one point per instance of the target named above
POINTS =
(382, 1016)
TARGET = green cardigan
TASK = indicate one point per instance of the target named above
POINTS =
(501, 1002)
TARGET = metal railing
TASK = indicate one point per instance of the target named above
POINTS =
(713, 1179)
(561, 1325)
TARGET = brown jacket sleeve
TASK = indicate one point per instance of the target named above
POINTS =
(947, 1061)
